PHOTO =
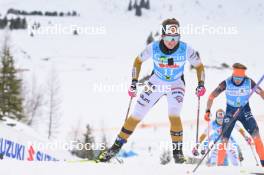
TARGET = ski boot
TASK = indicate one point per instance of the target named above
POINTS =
(106, 155)
(178, 156)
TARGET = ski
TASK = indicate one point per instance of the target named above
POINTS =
(192, 160)
(118, 160)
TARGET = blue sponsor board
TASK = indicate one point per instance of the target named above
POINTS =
(13, 150)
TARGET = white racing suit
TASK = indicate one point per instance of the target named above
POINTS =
(232, 148)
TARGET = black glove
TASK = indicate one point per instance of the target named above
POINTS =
(134, 85)
(195, 151)
(203, 152)
(200, 90)
(241, 158)
(132, 91)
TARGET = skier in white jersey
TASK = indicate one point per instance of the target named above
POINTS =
(169, 56)
(234, 153)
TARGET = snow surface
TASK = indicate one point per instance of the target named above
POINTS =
(87, 60)
(45, 168)
(21, 134)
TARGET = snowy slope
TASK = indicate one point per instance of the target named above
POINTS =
(93, 59)
(20, 142)
(86, 61)
(127, 169)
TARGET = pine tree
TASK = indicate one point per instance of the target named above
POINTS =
(61, 14)
(147, 5)
(11, 24)
(86, 150)
(130, 6)
(135, 4)
(74, 13)
(24, 23)
(17, 23)
(75, 32)
(5, 21)
(150, 38)
(88, 140)
(142, 4)
(104, 139)
(165, 157)
(138, 10)
(157, 34)
(10, 87)
(1, 24)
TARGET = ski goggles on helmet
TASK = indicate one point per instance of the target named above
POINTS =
(235, 78)
(220, 117)
(220, 114)
(171, 37)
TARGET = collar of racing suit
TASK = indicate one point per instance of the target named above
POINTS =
(240, 83)
(165, 50)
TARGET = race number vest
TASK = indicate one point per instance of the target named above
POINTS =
(215, 130)
(237, 96)
(169, 67)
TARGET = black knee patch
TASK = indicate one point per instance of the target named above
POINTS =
(176, 133)
(254, 132)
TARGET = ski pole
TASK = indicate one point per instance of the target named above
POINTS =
(239, 156)
(197, 120)
(128, 109)
(254, 155)
(227, 127)
(208, 137)
(217, 139)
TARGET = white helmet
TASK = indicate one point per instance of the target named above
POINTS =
(219, 116)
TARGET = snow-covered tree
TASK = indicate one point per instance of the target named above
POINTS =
(142, 3)
(33, 101)
(147, 5)
(130, 7)
(86, 151)
(165, 157)
(138, 10)
(53, 104)
(10, 86)
(88, 140)
(150, 38)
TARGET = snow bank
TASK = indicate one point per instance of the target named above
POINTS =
(140, 168)
(20, 142)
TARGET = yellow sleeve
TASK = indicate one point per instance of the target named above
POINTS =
(202, 137)
(136, 68)
(242, 132)
(200, 72)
